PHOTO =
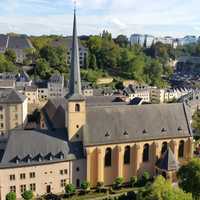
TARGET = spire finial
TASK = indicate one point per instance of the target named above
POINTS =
(75, 4)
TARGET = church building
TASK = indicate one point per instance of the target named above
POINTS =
(94, 139)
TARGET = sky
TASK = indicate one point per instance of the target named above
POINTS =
(175, 18)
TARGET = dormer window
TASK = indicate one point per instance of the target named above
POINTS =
(179, 128)
(60, 155)
(17, 160)
(107, 134)
(164, 130)
(125, 133)
(77, 108)
(144, 131)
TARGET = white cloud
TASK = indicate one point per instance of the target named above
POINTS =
(176, 17)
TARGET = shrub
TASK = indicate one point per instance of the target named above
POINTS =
(11, 196)
(27, 195)
(70, 189)
(85, 185)
(99, 186)
(133, 181)
(118, 182)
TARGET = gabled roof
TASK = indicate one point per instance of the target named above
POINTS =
(11, 96)
(33, 144)
(168, 161)
(19, 42)
(23, 77)
(134, 120)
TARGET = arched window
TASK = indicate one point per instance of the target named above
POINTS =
(146, 153)
(77, 108)
(108, 157)
(181, 149)
(164, 147)
(127, 155)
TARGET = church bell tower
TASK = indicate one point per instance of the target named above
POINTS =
(76, 106)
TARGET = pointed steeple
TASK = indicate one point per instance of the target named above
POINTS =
(75, 78)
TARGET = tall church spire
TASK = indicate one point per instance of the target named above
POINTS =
(75, 78)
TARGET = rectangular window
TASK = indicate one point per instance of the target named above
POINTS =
(32, 174)
(1, 116)
(13, 188)
(65, 171)
(22, 188)
(22, 176)
(61, 172)
(1, 125)
(63, 183)
(33, 187)
(12, 177)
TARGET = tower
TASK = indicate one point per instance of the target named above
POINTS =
(76, 108)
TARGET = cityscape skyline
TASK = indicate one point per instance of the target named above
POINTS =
(160, 18)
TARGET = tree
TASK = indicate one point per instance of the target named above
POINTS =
(70, 189)
(189, 177)
(27, 195)
(11, 196)
(11, 55)
(122, 41)
(85, 186)
(93, 62)
(6, 65)
(162, 189)
(99, 186)
(133, 181)
(196, 122)
(118, 182)
(42, 68)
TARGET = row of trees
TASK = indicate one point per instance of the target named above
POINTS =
(26, 195)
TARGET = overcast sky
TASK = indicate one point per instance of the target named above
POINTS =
(158, 17)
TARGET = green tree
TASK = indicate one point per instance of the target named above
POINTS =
(42, 68)
(27, 195)
(11, 196)
(122, 41)
(11, 55)
(93, 62)
(118, 182)
(70, 189)
(133, 181)
(6, 65)
(85, 186)
(162, 189)
(189, 177)
(196, 122)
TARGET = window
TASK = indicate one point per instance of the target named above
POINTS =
(33, 187)
(32, 174)
(1, 125)
(1, 108)
(22, 188)
(13, 188)
(146, 153)
(61, 172)
(63, 182)
(65, 171)
(1, 116)
(164, 147)
(77, 108)
(12, 177)
(127, 155)
(181, 149)
(22, 176)
(77, 183)
(77, 169)
(108, 157)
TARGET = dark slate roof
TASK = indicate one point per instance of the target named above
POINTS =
(106, 125)
(11, 96)
(29, 146)
(19, 42)
(56, 78)
(23, 77)
(168, 161)
(3, 40)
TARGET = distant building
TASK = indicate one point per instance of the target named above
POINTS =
(23, 80)
(190, 39)
(142, 40)
(67, 43)
(56, 86)
(3, 43)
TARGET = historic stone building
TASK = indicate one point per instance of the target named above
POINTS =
(94, 139)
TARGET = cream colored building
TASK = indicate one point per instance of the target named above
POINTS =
(13, 110)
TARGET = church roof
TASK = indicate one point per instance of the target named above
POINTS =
(107, 125)
(168, 161)
(32, 144)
